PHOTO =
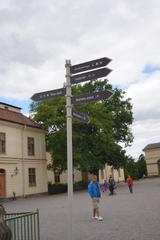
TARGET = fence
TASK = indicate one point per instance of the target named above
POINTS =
(24, 226)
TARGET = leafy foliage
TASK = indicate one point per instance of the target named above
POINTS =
(141, 165)
(95, 143)
(136, 169)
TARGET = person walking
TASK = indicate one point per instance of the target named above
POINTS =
(130, 184)
(95, 194)
(111, 182)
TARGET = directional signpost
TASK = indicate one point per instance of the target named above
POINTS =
(81, 116)
(82, 67)
(49, 94)
(92, 97)
(92, 75)
(72, 78)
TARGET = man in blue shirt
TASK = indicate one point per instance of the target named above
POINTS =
(95, 194)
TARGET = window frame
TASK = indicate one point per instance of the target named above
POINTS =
(32, 177)
(57, 177)
(31, 146)
(2, 143)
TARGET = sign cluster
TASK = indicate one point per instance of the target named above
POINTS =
(75, 78)
(49, 94)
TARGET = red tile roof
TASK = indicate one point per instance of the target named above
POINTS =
(19, 118)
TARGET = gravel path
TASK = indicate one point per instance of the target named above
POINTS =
(126, 216)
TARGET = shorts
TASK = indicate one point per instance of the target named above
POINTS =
(95, 202)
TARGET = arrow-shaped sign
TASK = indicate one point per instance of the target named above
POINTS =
(80, 116)
(92, 97)
(92, 75)
(49, 94)
(82, 67)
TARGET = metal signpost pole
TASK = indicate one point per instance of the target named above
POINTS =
(69, 147)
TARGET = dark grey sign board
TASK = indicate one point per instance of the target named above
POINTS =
(49, 94)
(92, 97)
(82, 67)
(80, 116)
(92, 75)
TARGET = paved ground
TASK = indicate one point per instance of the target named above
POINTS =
(126, 216)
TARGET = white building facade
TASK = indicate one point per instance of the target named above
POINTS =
(22, 154)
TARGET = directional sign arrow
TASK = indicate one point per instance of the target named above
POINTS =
(80, 116)
(97, 63)
(92, 75)
(49, 94)
(92, 97)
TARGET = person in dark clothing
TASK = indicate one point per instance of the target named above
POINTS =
(111, 182)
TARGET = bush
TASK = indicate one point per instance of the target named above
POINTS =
(80, 186)
(62, 188)
(57, 188)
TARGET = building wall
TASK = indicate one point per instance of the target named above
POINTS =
(63, 176)
(109, 170)
(152, 156)
(103, 174)
(16, 156)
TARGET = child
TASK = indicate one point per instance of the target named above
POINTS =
(105, 185)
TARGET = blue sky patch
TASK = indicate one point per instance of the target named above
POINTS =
(150, 69)
(18, 103)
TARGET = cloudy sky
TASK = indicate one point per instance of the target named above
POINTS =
(37, 36)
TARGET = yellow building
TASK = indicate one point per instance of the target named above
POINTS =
(61, 178)
(83, 176)
(22, 154)
(152, 156)
(108, 171)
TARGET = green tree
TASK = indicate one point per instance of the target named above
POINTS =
(141, 166)
(136, 169)
(131, 168)
(95, 143)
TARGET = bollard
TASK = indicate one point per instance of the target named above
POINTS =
(14, 196)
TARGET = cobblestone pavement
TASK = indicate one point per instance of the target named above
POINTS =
(126, 216)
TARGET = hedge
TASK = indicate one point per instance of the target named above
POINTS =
(62, 188)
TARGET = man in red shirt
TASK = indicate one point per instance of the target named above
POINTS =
(130, 184)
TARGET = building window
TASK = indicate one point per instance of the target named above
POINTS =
(57, 177)
(32, 177)
(2, 142)
(30, 146)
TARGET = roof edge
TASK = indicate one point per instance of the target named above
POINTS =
(22, 124)
(9, 105)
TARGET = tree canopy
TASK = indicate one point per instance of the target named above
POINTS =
(136, 169)
(95, 143)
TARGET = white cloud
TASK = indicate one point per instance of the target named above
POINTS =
(37, 36)
(145, 97)
(145, 132)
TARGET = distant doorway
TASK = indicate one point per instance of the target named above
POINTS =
(2, 183)
(158, 166)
